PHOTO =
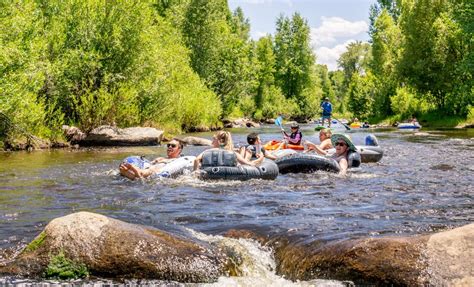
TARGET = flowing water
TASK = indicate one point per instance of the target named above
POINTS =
(423, 184)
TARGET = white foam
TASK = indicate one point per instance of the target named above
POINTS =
(258, 266)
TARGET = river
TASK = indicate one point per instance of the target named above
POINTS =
(423, 184)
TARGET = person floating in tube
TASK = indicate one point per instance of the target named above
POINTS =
(254, 147)
(131, 171)
(326, 144)
(294, 138)
(222, 140)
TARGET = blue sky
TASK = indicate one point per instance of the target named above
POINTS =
(334, 23)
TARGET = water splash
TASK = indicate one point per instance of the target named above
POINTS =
(258, 266)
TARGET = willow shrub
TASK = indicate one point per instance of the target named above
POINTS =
(22, 74)
(99, 62)
(406, 102)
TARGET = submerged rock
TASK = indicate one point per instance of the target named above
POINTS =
(112, 248)
(113, 136)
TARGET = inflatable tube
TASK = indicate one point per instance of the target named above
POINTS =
(306, 163)
(367, 153)
(138, 161)
(283, 152)
(267, 170)
(409, 126)
(370, 153)
(356, 125)
(172, 169)
(273, 145)
(177, 167)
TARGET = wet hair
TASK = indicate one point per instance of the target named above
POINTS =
(225, 140)
(252, 138)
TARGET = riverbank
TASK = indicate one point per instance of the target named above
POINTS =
(26, 141)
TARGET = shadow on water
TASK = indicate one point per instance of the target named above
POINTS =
(423, 184)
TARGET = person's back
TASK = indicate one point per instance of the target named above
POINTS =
(223, 141)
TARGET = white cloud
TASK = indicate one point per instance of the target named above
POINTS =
(329, 56)
(258, 34)
(333, 28)
(327, 39)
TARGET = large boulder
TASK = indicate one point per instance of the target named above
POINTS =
(112, 248)
(113, 136)
(431, 260)
(73, 134)
(441, 259)
(240, 123)
(195, 141)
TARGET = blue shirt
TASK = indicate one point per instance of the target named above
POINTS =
(327, 108)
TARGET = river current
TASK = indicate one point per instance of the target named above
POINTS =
(423, 184)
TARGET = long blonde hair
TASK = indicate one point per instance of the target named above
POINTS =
(225, 140)
(326, 132)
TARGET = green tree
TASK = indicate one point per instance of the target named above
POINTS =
(361, 95)
(326, 85)
(433, 51)
(387, 42)
(95, 62)
(354, 60)
(337, 83)
(220, 50)
(269, 100)
(22, 73)
(295, 61)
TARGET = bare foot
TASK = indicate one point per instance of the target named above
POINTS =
(129, 171)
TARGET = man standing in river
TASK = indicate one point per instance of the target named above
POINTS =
(327, 111)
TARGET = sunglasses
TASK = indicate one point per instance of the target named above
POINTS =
(171, 145)
(340, 144)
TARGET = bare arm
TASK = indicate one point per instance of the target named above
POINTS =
(343, 165)
(242, 160)
(197, 162)
(318, 149)
(158, 160)
(270, 156)
(326, 144)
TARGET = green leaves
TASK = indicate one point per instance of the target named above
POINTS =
(295, 64)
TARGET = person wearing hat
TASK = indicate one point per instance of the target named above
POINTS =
(343, 145)
(294, 138)
(327, 111)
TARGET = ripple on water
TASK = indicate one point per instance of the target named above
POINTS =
(419, 186)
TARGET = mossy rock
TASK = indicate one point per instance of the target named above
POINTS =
(36, 243)
(60, 267)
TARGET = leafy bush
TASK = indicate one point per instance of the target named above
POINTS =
(274, 104)
(361, 95)
(94, 62)
(406, 103)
